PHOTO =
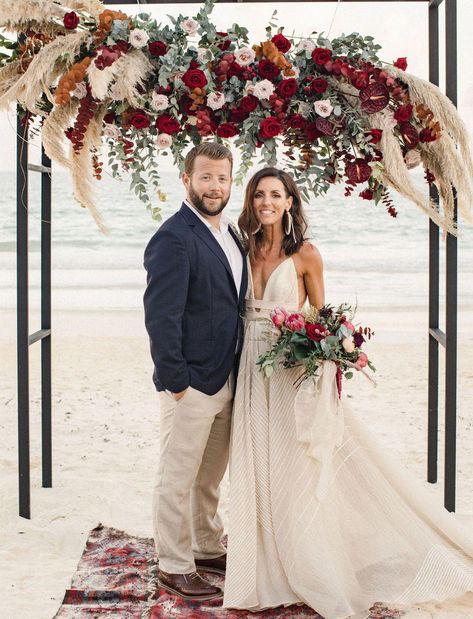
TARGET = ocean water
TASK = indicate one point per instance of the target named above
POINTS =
(370, 258)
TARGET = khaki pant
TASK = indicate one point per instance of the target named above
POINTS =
(194, 444)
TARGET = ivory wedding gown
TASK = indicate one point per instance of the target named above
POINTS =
(318, 513)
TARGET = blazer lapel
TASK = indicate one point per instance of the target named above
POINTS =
(206, 236)
(244, 273)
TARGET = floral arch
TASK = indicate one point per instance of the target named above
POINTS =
(127, 90)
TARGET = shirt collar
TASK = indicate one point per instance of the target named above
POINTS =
(224, 221)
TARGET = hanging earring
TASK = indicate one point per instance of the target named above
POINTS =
(257, 229)
(289, 227)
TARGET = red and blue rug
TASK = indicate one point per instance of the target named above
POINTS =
(115, 580)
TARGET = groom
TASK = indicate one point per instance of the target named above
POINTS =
(197, 279)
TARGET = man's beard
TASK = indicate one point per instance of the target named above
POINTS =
(198, 202)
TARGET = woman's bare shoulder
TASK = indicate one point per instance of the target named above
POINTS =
(310, 257)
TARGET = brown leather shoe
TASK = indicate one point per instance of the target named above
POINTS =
(188, 586)
(217, 565)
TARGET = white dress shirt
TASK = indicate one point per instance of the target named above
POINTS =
(226, 242)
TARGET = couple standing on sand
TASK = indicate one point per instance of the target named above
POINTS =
(371, 533)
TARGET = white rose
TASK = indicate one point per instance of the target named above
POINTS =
(307, 45)
(138, 38)
(296, 72)
(244, 56)
(111, 131)
(263, 89)
(348, 344)
(189, 26)
(80, 90)
(159, 102)
(192, 120)
(323, 108)
(215, 100)
(412, 159)
(163, 140)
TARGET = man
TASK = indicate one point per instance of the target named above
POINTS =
(197, 279)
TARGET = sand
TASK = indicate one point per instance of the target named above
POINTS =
(106, 442)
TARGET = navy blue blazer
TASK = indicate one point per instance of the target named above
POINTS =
(192, 308)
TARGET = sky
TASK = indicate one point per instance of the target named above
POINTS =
(400, 28)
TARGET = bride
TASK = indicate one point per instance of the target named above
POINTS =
(318, 513)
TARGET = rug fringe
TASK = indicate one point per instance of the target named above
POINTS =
(152, 578)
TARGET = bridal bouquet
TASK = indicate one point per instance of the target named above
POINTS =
(315, 336)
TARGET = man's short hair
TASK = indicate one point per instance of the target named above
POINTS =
(212, 150)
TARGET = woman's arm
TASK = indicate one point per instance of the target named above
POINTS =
(313, 274)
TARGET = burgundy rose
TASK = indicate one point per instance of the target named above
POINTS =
(288, 88)
(401, 63)
(71, 20)
(360, 79)
(234, 70)
(157, 48)
(270, 127)
(376, 135)
(194, 78)
(283, 44)
(296, 122)
(139, 119)
(403, 113)
(357, 171)
(324, 126)
(227, 130)
(319, 85)
(249, 103)
(239, 115)
(374, 98)
(321, 55)
(366, 194)
(167, 124)
(311, 132)
(409, 135)
(358, 338)
(427, 135)
(224, 44)
(316, 331)
(268, 70)
(337, 66)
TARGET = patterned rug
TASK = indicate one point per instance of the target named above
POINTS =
(116, 576)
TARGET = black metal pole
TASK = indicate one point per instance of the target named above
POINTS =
(46, 421)
(22, 319)
(433, 374)
(451, 285)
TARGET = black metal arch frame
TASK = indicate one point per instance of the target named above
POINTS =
(447, 339)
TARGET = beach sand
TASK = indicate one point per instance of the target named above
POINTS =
(105, 442)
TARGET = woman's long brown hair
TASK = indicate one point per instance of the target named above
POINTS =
(248, 222)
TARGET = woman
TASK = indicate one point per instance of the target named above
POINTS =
(317, 518)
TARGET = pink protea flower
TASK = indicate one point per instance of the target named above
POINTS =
(295, 322)
(278, 316)
(362, 361)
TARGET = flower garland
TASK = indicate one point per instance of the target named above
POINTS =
(328, 111)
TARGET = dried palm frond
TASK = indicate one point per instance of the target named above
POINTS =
(396, 173)
(134, 68)
(82, 170)
(35, 14)
(52, 132)
(43, 70)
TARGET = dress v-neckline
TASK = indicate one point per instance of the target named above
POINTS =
(269, 278)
